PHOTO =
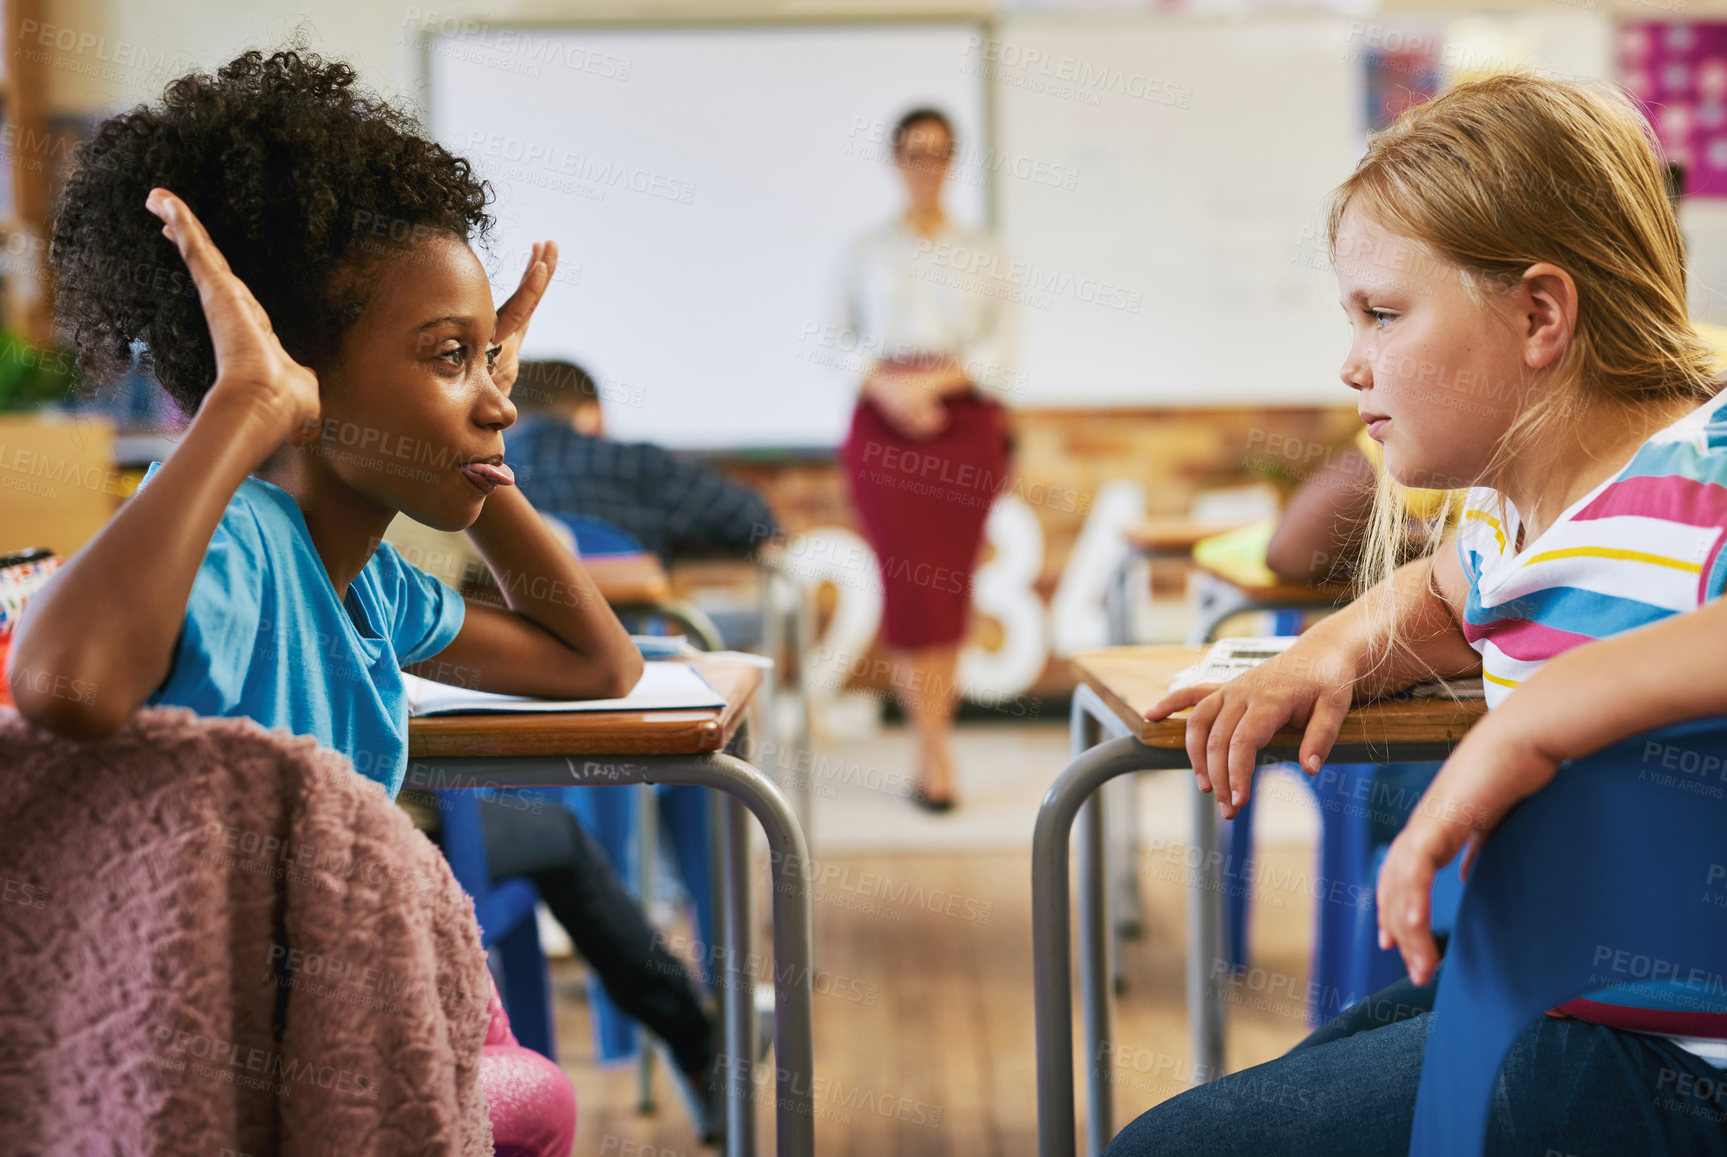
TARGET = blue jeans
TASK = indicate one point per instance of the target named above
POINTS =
(1568, 1089)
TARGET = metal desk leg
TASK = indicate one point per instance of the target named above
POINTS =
(1095, 928)
(1127, 907)
(1050, 908)
(1094, 973)
(1050, 916)
(1121, 813)
(794, 1040)
(685, 614)
(1118, 600)
(648, 837)
(737, 991)
(1205, 941)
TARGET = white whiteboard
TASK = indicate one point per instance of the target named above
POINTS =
(703, 185)
(1198, 214)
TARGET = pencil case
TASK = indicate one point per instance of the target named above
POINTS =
(21, 573)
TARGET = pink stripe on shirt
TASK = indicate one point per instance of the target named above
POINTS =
(1523, 639)
(1669, 496)
(1656, 1020)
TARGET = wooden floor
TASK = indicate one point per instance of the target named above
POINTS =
(924, 1036)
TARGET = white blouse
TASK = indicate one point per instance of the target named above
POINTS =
(952, 294)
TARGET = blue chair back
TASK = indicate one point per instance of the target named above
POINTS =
(1606, 873)
(596, 536)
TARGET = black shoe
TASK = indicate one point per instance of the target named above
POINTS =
(928, 802)
(704, 1095)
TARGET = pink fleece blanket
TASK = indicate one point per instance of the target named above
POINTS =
(216, 938)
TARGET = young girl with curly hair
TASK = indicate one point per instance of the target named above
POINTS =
(1515, 283)
(291, 260)
(338, 350)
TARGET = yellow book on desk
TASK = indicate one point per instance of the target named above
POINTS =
(1239, 555)
(663, 687)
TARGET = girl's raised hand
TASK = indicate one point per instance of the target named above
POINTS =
(251, 365)
(515, 314)
(1306, 686)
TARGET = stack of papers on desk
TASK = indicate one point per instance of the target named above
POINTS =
(663, 687)
(1231, 657)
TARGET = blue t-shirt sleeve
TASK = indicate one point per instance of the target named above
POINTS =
(425, 615)
(224, 623)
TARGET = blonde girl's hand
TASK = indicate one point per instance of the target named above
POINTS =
(251, 365)
(1494, 767)
(1306, 686)
(514, 315)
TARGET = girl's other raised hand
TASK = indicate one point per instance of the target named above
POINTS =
(1308, 686)
(252, 368)
(515, 313)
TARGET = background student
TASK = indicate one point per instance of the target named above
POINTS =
(566, 464)
(1323, 528)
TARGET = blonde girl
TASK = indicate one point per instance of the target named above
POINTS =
(1515, 284)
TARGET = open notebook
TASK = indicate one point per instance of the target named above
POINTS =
(663, 687)
(1230, 657)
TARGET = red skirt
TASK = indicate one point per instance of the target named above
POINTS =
(923, 504)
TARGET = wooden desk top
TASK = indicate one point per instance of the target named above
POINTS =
(629, 580)
(1173, 533)
(1131, 679)
(595, 732)
(1265, 587)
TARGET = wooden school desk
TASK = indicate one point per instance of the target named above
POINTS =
(1167, 538)
(1117, 687)
(682, 747)
(1234, 580)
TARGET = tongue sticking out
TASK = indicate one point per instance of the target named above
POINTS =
(487, 476)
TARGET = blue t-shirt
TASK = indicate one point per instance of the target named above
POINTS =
(266, 638)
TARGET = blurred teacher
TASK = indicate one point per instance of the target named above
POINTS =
(927, 302)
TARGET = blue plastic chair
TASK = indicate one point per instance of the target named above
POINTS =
(1622, 850)
(1348, 963)
(596, 537)
(505, 911)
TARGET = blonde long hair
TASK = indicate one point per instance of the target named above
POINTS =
(1496, 175)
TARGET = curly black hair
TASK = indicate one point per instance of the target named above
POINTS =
(302, 180)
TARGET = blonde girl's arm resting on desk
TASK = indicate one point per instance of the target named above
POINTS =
(1342, 660)
(99, 637)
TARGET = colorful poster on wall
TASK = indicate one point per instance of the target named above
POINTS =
(1678, 72)
(1400, 78)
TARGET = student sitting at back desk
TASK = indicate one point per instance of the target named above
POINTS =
(1319, 536)
(565, 463)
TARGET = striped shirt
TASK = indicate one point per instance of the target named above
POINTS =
(1643, 545)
